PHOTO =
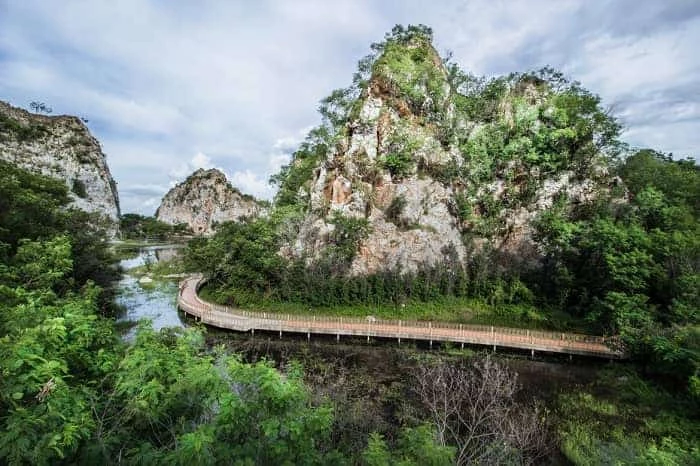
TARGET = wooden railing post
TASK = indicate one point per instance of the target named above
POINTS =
(430, 326)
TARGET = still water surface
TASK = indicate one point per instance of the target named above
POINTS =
(157, 302)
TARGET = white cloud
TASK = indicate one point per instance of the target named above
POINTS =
(200, 160)
(251, 183)
(287, 144)
(152, 202)
(485, 35)
(179, 173)
(642, 78)
(258, 184)
(276, 162)
(143, 189)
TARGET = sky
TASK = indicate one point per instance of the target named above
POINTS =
(169, 86)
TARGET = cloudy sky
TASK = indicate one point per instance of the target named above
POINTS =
(172, 85)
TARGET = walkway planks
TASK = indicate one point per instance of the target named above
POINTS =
(534, 340)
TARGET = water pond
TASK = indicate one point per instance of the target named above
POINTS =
(155, 302)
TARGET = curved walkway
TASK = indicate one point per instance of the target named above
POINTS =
(236, 319)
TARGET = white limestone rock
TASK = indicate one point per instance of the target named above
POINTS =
(62, 147)
(206, 199)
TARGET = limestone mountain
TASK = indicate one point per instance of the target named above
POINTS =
(204, 199)
(427, 165)
(61, 147)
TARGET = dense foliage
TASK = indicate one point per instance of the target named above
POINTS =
(634, 268)
(72, 392)
(135, 226)
(622, 419)
(33, 207)
(294, 177)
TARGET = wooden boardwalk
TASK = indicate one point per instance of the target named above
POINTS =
(534, 340)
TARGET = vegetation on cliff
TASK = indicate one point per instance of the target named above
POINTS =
(12, 129)
(140, 227)
(61, 147)
(522, 128)
(204, 200)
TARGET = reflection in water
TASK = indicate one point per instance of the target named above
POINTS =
(157, 303)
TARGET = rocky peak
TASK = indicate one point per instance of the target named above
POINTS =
(61, 147)
(441, 164)
(205, 199)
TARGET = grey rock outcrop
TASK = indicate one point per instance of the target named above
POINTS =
(205, 199)
(61, 147)
(419, 232)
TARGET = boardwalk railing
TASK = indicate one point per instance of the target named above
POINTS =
(534, 340)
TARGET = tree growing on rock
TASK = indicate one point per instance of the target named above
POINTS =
(40, 107)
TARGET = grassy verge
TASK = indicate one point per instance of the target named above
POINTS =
(129, 249)
(622, 419)
(137, 243)
(448, 309)
(162, 270)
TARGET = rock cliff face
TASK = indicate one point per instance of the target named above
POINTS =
(442, 169)
(204, 199)
(61, 147)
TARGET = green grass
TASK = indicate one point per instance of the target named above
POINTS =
(448, 309)
(17, 130)
(159, 270)
(622, 419)
(125, 253)
(137, 243)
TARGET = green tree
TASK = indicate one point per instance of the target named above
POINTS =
(51, 346)
(416, 446)
(241, 257)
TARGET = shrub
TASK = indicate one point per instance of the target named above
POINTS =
(400, 160)
(13, 129)
(346, 238)
(395, 210)
(79, 188)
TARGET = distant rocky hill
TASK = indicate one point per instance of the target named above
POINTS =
(204, 199)
(61, 147)
(431, 165)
